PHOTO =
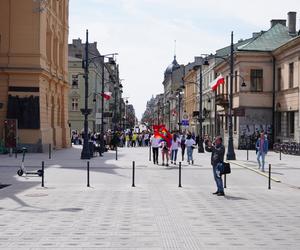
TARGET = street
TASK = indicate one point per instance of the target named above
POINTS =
(156, 214)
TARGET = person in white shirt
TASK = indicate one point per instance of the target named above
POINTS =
(155, 144)
(174, 148)
(190, 144)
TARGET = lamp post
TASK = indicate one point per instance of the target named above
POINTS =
(115, 109)
(179, 109)
(85, 153)
(102, 101)
(200, 143)
(230, 152)
(169, 114)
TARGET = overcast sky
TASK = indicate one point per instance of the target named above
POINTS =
(143, 33)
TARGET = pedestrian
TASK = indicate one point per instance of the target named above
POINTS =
(190, 144)
(154, 143)
(262, 147)
(174, 148)
(146, 139)
(164, 153)
(134, 138)
(127, 140)
(217, 156)
(182, 141)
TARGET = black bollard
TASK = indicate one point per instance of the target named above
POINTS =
(225, 182)
(179, 184)
(133, 174)
(280, 153)
(43, 173)
(16, 153)
(269, 176)
(88, 174)
(116, 153)
(247, 154)
(49, 150)
(149, 153)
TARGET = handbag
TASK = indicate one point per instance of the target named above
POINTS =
(226, 168)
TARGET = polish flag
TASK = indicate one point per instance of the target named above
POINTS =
(215, 83)
(106, 95)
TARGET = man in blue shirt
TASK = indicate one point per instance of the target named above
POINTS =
(262, 147)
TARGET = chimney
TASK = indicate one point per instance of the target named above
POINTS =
(77, 42)
(292, 22)
(276, 21)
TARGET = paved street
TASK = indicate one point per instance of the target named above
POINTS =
(156, 214)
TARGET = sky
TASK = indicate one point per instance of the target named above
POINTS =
(143, 33)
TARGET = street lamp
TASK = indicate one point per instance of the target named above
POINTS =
(230, 152)
(85, 153)
(200, 144)
(102, 100)
(169, 114)
(179, 92)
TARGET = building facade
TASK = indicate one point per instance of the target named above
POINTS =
(287, 98)
(34, 71)
(112, 87)
(254, 101)
(173, 94)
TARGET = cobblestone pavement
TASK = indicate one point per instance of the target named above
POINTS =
(156, 214)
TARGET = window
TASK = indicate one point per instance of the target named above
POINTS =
(74, 104)
(279, 77)
(291, 123)
(74, 81)
(235, 82)
(256, 76)
(278, 123)
(291, 75)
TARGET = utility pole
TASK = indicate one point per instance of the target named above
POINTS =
(102, 109)
(230, 152)
(200, 142)
(85, 153)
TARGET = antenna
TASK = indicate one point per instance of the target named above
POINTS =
(174, 49)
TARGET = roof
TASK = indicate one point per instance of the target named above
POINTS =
(173, 66)
(73, 59)
(269, 40)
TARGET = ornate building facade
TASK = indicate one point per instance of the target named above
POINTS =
(34, 71)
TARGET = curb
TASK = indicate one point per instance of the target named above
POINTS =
(254, 170)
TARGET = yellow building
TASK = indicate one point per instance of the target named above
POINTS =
(34, 71)
(190, 97)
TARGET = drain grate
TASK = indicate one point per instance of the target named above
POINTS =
(4, 185)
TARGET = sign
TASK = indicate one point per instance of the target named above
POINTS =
(185, 122)
(10, 133)
(195, 113)
(239, 112)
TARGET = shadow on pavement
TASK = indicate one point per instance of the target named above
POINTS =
(234, 198)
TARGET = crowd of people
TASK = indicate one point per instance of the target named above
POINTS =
(185, 141)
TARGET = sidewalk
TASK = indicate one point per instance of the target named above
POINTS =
(156, 214)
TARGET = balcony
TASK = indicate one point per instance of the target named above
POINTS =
(222, 100)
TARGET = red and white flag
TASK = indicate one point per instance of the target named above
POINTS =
(106, 95)
(215, 83)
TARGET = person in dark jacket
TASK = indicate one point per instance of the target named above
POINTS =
(217, 156)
